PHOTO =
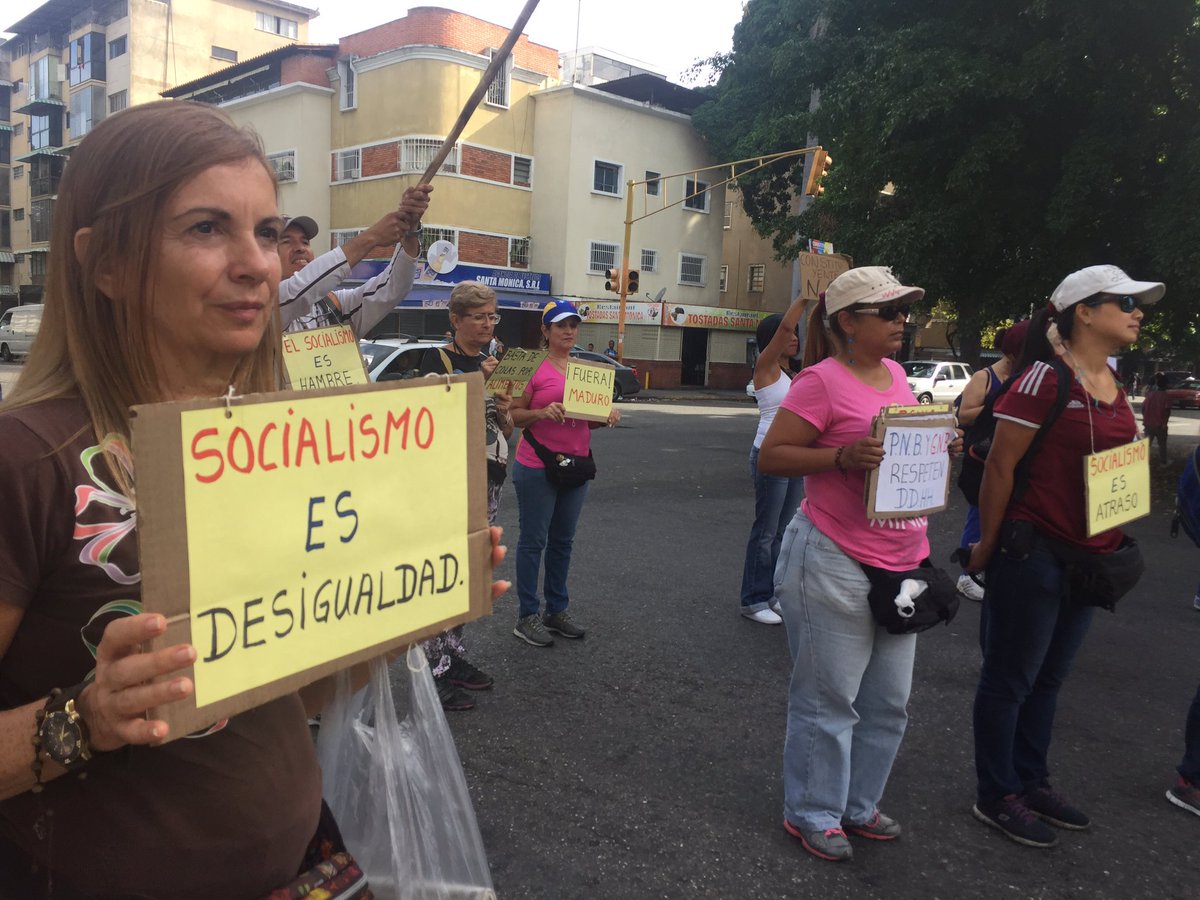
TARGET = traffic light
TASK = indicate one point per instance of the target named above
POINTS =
(631, 282)
(821, 161)
(614, 280)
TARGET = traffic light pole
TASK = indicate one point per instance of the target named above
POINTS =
(625, 270)
(761, 163)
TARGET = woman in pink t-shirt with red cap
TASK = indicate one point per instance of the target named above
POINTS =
(850, 677)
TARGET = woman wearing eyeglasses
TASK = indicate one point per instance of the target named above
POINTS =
(473, 319)
(850, 678)
(1032, 626)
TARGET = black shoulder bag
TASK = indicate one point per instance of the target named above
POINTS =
(563, 470)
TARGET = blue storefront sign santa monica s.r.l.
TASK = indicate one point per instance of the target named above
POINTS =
(498, 279)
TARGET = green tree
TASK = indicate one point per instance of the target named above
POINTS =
(1025, 139)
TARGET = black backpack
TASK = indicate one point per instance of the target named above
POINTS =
(977, 439)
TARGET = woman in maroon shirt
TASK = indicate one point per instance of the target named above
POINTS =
(1031, 625)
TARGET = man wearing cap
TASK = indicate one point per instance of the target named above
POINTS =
(308, 295)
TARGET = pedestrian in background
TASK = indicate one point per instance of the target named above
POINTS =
(549, 514)
(983, 387)
(473, 320)
(1156, 412)
(1186, 791)
(775, 498)
(850, 678)
(1032, 626)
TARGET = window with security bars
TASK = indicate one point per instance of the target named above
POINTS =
(498, 90)
(724, 278)
(695, 195)
(522, 171)
(755, 277)
(518, 253)
(348, 165)
(691, 269)
(342, 236)
(430, 235)
(649, 260)
(284, 165)
(602, 257)
(417, 153)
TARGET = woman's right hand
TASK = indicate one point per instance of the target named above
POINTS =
(865, 453)
(555, 412)
(114, 706)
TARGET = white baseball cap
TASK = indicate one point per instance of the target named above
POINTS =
(867, 286)
(1103, 280)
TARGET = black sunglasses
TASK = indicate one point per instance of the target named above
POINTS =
(888, 313)
(1127, 303)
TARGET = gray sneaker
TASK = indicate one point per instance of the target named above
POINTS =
(831, 844)
(562, 624)
(530, 630)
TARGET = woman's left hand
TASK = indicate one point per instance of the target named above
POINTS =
(488, 366)
(956, 446)
(614, 417)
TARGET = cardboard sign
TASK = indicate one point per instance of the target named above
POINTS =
(514, 371)
(1117, 485)
(817, 270)
(588, 392)
(323, 358)
(291, 535)
(914, 477)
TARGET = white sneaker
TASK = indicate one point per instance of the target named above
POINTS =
(969, 589)
(764, 617)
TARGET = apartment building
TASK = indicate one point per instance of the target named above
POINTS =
(73, 62)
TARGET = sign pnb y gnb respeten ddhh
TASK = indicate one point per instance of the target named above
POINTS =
(290, 535)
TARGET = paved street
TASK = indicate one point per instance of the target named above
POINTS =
(644, 761)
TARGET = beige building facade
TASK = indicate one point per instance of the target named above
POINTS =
(71, 63)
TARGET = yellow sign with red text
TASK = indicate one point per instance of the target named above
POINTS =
(323, 358)
(588, 392)
(1117, 485)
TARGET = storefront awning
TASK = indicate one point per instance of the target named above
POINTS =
(7, 256)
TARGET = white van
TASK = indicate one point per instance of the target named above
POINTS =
(18, 327)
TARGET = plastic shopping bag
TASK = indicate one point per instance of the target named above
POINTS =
(397, 789)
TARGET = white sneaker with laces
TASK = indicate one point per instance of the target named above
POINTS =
(969, 589)
(764, 617)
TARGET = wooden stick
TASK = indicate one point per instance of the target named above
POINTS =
(485, 82)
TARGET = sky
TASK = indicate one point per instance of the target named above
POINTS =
(666, 35)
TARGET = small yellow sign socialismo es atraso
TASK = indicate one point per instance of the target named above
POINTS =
(1117, 484)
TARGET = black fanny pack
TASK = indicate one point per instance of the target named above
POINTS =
(936, 603)
(563, 470)
(1093, 579)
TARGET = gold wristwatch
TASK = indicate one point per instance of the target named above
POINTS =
(62, 733)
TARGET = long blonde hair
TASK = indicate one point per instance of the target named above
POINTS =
(117, 183)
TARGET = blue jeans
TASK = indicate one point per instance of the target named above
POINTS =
(1189, 768)
(1033, 632)
(849, 688)
(548, 517)
(970, 532)
(775, 502)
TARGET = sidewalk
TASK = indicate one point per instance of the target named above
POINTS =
(693, 395)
